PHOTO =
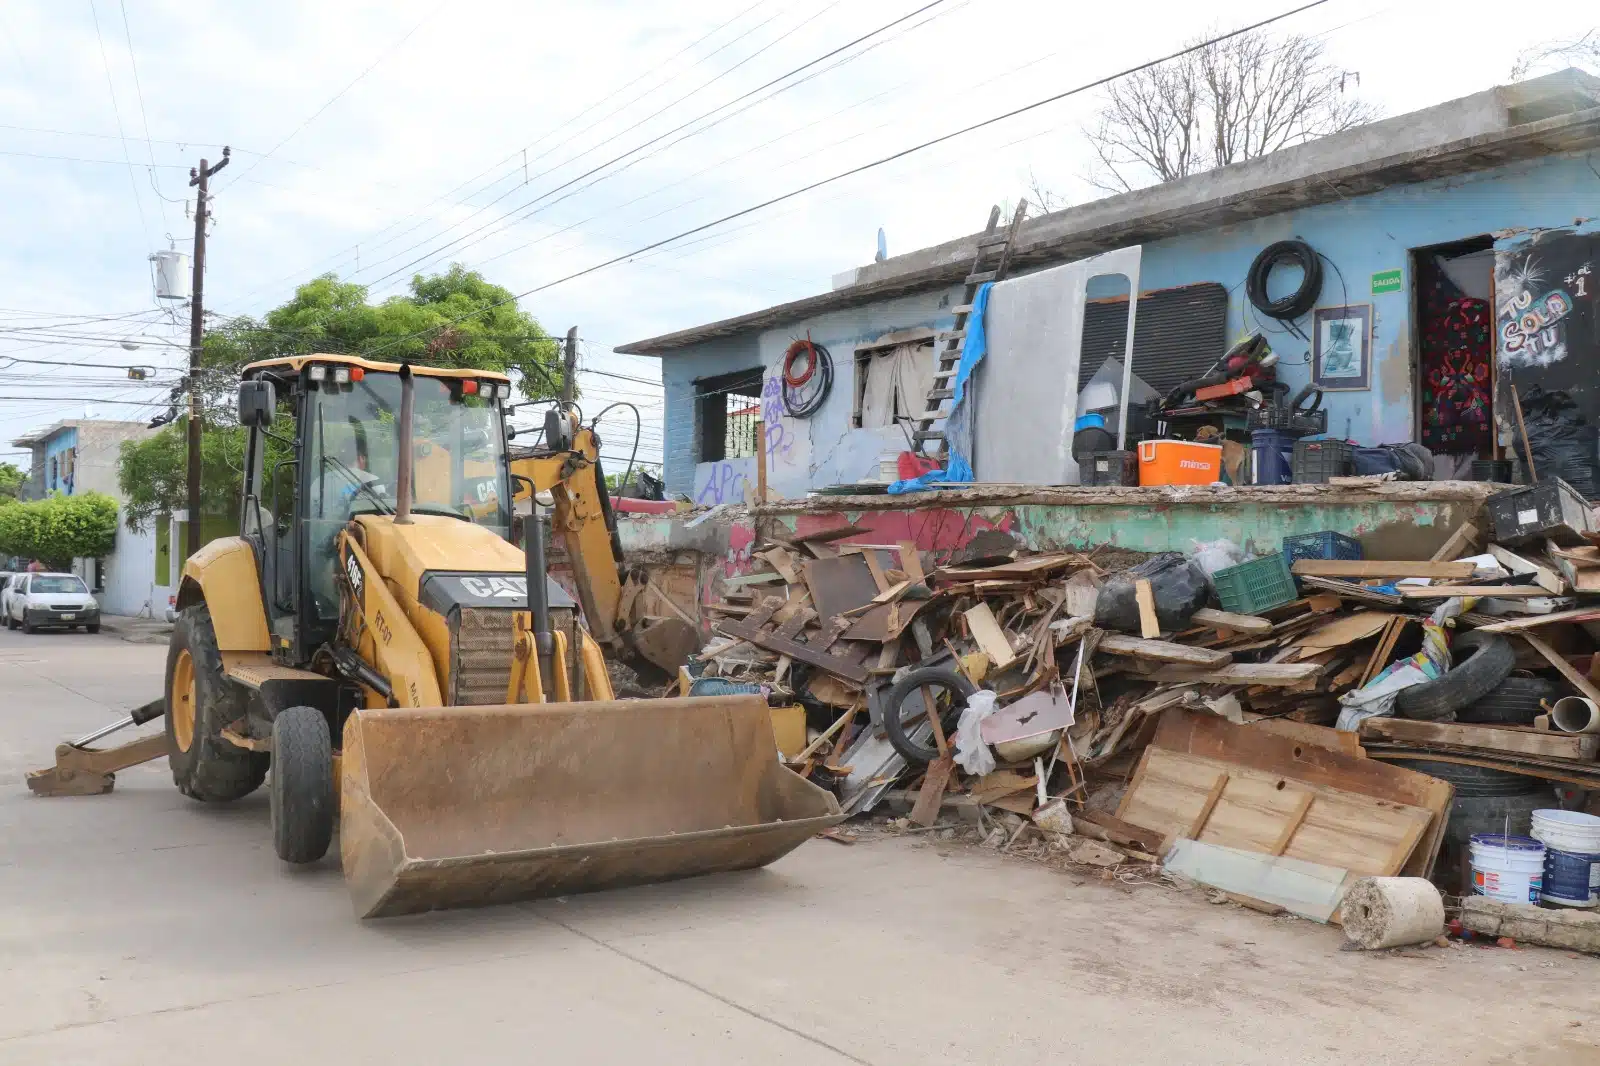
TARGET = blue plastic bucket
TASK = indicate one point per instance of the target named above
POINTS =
(1271, 457)
(1569, 878)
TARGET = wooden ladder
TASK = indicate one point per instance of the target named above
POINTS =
(990, 264)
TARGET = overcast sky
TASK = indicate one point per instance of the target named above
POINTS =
(380, 139)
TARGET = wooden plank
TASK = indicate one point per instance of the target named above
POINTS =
(1351, 591)
(1347, 630)
(1239, 623)
(1542, 576)
(1499, 592)
(1198, 824)
(1248, 746)
(911, 562)
(1162, 651)
(1149, 627)
(1384, 648)
(783, 562)
(1463, 540)
(1584, 686)
(1000, 783)
(1242, 674)
(1119, 832)
(1581, 775)
(926, 810)
(875, 567)
(1379, 568)
(799, 652)
(824, 535)
(1513, 739)
(1323, 736)
(990, 637)
(1292, 825)
(1517, 625)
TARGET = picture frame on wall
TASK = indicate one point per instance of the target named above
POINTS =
(1341, 349)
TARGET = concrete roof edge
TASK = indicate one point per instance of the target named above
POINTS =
(1171, 210)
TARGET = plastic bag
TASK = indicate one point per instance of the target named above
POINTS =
(1376, 698)
(1563, 444)
(972, 754)
(1213, 555)
(1180, 589)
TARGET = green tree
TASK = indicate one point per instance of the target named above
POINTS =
(454, 319)
(59, 529)
(11, 479)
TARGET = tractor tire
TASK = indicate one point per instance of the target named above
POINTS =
(1482, 662)
(302, 785)
(200, 704)
(900, 730)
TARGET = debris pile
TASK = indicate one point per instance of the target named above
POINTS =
(1172, 709)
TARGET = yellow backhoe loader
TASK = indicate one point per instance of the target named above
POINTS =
(375, 647)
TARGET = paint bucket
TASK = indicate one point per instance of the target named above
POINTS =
(1574, 714)
(1507, 868)
(1572, 856)
(1271, 457)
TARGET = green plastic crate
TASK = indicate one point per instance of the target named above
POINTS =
(1256, 586)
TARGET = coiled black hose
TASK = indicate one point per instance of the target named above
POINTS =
(795, 401)
(1297, 303)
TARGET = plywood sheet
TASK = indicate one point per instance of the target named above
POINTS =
(1255, 811)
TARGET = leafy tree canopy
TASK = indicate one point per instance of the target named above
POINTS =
(11, 479)
(59, 529)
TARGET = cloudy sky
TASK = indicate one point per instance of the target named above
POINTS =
(376, 140)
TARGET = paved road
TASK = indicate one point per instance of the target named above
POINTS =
(141, 927)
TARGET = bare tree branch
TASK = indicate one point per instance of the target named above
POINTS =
(1235, 100)
(1581, 51)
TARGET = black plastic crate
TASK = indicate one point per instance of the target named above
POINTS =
(1497, 470)
(1109, 468)
(1299, 423)
(1315, 461)
(1551, 509)
(1324, 545)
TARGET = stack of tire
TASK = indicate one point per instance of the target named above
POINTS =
(1480, 689)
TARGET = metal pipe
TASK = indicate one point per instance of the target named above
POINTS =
(403, 431)
(538, 592)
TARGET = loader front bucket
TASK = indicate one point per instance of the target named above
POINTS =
(469, 806)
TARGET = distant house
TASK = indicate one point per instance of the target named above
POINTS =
(78, 456)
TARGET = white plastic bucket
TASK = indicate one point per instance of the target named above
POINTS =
(1572, 842)
(1507, 868)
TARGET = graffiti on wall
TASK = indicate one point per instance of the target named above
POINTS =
(1538, 293)
(781, 431)
(724, 481)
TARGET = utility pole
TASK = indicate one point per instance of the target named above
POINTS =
(197, 177)
(569, 375)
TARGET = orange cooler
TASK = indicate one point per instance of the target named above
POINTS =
(1179, 462)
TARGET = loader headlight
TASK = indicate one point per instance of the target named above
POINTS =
(319, 372)
(341, 375)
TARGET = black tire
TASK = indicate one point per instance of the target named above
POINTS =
(302, 785)
(1515, 701)
(95, 628)
(1482, 662)
(210, 769)
(1477, 781)
(899, 731)
(28, 627)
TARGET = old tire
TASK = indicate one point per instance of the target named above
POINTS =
(899, 731)
(1477, 781)
(1482, 662)
(199, 705)
(93, 628)
(302, 785)
(1515, 701)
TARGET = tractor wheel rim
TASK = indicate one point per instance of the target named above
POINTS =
(183, 699)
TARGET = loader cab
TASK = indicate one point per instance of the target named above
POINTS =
(322, 447)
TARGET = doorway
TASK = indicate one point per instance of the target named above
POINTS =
(1453, 311)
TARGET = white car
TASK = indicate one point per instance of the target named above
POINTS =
(39, 601)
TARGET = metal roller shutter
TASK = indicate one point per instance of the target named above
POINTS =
(1178, 335)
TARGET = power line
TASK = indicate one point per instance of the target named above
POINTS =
(335, 97)
(874, 164)
(138, 201)
(144, 116)
(683, 126)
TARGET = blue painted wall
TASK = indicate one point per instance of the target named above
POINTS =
(1359, 236)
(54, 449)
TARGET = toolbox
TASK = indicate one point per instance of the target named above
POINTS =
(1551, 509)
(1109, 468)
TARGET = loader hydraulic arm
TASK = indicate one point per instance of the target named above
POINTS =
(571, 476)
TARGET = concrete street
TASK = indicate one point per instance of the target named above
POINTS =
(142, 927)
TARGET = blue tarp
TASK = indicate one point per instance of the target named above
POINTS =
(958, 425)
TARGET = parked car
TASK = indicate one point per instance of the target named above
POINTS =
(39, 601)
(7, 578)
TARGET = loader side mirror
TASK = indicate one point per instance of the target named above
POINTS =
(258, 401)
